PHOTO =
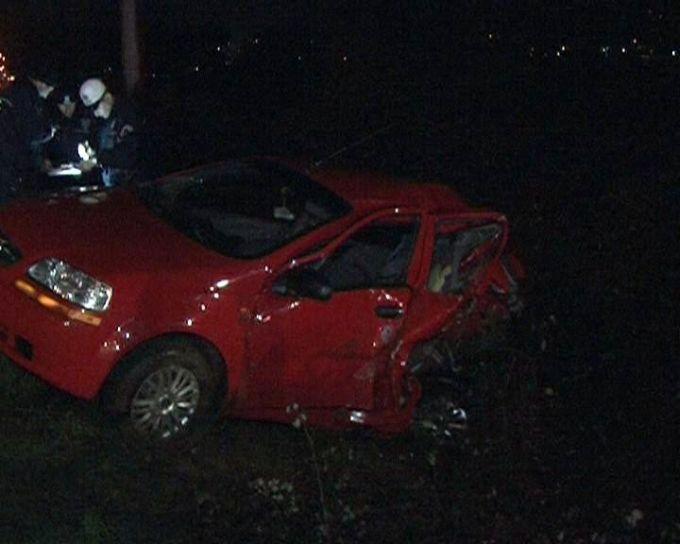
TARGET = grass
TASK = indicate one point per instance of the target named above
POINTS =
(67, 478)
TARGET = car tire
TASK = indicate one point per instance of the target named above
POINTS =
(166, 394)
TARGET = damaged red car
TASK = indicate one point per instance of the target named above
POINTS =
(244, 288)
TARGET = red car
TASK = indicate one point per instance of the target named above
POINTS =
(246, 288)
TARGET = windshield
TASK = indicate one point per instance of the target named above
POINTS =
(243, 209)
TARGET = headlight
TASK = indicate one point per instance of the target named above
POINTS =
(72, 284)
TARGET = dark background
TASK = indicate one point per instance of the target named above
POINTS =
(564, 117)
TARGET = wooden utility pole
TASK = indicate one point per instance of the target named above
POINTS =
(130, 45)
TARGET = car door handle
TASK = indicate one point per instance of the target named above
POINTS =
(389, 312)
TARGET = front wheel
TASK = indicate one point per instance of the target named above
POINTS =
(167, 393)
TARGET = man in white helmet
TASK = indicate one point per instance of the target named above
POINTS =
(115, 137)
(92, 91)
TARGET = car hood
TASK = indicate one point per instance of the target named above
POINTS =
(104, 234)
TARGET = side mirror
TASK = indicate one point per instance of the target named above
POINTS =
(304, 282)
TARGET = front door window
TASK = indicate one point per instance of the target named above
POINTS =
(376, 256)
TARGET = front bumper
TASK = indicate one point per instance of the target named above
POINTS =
(65, 353)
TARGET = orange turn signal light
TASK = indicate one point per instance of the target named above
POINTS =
(57, 306)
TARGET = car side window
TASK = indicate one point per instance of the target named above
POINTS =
(376, 256)
(459, 255)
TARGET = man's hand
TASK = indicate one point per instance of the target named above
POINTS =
(86, 166)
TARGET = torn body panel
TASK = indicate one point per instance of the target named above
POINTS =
(352, 365)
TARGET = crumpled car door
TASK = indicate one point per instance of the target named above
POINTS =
(461, 249)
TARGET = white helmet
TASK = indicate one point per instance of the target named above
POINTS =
(92, 91)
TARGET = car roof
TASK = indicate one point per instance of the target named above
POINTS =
(372, 190)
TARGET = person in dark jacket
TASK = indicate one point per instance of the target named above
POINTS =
(73, 124)
(24, 130)
(116, 139)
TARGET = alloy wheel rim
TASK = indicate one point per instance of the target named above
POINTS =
(165, 403)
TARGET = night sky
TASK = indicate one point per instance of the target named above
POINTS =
(83, 35)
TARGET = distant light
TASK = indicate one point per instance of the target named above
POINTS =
(196, 68)
(299, 57)
(623, 50)
(563, 48)
(674, 53)
(344, 58)
(219, 48)
(558, 54)
(635, 40)
(256, 40)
